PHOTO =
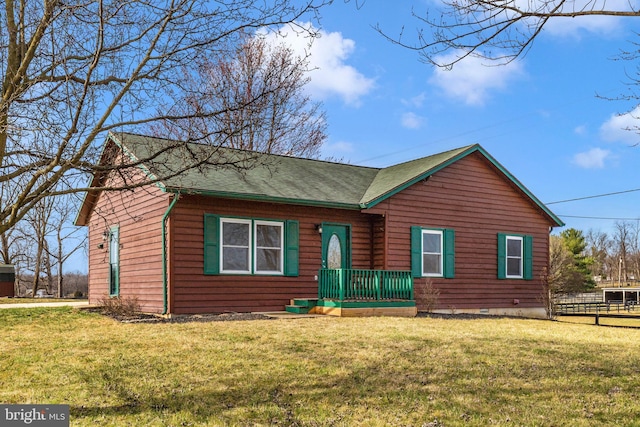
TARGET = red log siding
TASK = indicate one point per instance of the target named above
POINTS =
(138, 213)
(471, 197)
(194, 292)
(379, 245)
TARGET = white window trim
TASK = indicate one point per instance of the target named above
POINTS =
(507, 257)
(280, 271)
(222, 245)
(422, 252)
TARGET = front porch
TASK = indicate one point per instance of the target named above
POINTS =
(358, 293)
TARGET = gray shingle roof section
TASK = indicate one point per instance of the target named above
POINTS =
(269, 177)
(284, 179)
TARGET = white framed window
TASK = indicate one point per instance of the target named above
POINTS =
(432, 259)
(235, 241)
(268, 247)
(514, 257)
(251, 246)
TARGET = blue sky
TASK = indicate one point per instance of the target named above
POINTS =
(539, 116)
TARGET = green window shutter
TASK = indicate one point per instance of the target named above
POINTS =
(449, 253)
(502, 256)
(416, 251)
(211, 244)
(292, 248)
(527, 248)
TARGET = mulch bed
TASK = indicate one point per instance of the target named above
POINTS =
(233, 316)
(150, 318)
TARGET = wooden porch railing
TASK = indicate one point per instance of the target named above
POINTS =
(364, 285)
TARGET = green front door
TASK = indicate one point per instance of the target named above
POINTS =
(336, 246)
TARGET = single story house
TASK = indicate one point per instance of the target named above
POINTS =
(219, 238)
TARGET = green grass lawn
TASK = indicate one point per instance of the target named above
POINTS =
(321, 371)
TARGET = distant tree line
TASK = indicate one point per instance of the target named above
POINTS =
(580, 261)
(40, 245)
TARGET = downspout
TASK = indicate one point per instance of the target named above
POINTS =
(165, 278)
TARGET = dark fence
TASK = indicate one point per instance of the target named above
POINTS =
(601, 310)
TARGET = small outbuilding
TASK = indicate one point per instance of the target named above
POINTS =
(336, 238)
(7, 280)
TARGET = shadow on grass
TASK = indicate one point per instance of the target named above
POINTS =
(307, 398)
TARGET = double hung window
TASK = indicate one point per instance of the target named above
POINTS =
(432, 252)
(250, 246)
(515, 256)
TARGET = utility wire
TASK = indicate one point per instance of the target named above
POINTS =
(599, 217)
(594, 196)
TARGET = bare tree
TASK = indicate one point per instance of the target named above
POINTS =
(72, 71)
(40, 227)
(498, 31)
(283, 120)
(598, 247)
(622, 239)
(633, 263)
(67, 238)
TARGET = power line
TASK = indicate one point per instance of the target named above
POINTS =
(594, 196)
(599, 217)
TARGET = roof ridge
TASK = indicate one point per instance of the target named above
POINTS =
(244, 150)
(461, 149)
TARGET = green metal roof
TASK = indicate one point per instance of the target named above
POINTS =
(268, 177)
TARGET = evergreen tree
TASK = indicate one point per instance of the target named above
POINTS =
(576, 244)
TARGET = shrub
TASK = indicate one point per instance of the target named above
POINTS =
(119, 306)
(426, 295)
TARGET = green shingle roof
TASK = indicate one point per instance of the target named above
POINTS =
(286, 179)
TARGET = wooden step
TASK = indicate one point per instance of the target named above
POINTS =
(305, 302)
(297, 309)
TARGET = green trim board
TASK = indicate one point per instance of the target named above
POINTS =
(365, 304)
(264, 198)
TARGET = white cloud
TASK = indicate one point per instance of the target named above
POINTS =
(470, 80)
(601, 25)
(567, 27)
(580, 130)
(592, 159)
(416, 101)
(328, 55)
(412, 121)
(622, 128)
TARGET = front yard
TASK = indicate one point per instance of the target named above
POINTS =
(320, 371)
